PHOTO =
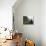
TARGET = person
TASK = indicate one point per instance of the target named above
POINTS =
(18, 40)
(29, 43)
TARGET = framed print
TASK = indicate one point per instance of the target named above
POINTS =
(28, 19)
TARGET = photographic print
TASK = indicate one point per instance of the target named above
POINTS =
(28, 19)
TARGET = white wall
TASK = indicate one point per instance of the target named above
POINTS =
(29, 8)
(6, 13)
(43, 22)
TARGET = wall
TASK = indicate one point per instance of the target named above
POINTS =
(43, 22)
(29, 8)
(6, 13)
